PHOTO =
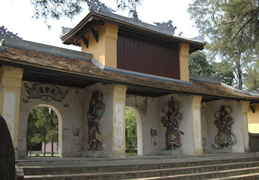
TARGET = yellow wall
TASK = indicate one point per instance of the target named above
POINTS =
(105, 50)
(184, 62)
(253, 119)
(11, 80)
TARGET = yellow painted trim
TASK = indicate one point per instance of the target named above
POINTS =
(184, 62)
(253, 119)
(105, 50)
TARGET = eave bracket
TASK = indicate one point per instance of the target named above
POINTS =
(95, 34)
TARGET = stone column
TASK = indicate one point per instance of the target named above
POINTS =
(11, 80)
(196, 125)
(119, 99)
(245, 106)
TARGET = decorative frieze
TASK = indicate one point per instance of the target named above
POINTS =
(45, 92)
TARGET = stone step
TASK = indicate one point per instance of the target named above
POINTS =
(120, 168)
(251, 176)
(221, 175)
(57, 161)
(203, 167)
(135, 174)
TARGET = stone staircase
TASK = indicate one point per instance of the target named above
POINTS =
(234, 166)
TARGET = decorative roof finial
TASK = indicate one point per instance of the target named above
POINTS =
(97, 6)
(4, 32)
(166, 25)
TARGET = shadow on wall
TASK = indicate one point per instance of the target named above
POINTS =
(7, 160)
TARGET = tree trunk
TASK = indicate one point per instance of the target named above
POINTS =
(30, 149)
(52, 148)
(239, 71)
(45, 144)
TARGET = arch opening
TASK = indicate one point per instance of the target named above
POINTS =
(133, 131)
(44, 131)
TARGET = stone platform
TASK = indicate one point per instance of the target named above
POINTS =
(148, 167)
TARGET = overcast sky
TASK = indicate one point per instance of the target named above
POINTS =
(16, 15)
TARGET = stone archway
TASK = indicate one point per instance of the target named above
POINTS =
(60, 139)
(139, 130)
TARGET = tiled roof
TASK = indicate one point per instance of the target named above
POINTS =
(78, 68)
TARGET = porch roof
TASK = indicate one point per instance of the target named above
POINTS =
(58, 66)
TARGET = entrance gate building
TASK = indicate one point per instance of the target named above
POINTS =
(123, 63)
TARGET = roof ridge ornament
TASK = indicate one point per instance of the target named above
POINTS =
(166, 26)
(97, 6)
(65, 30)
(4, 32)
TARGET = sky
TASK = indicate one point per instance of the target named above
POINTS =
(16, 16)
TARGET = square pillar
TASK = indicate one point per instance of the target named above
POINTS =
(196, 125)
(245, 107)
(184, 61)
(11, 80)
(119, 99)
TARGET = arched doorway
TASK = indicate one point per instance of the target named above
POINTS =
(44, 131)
(138, 129)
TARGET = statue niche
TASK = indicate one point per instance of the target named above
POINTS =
(96, 110)
(172, 121)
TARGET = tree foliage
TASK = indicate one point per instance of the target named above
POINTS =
(198, 64)
(56, 9)
(252, 77)
(131, 130)
(225, 71)
(42, 126)
(232, 29)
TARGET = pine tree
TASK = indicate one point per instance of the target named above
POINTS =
(232, 29)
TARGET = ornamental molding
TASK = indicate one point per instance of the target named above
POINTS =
(46, 92)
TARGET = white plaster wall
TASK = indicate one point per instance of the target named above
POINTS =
(185, 108)
(152, 120)
(106, 123)
(71, 117)
(211, 132)
(149, 120)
